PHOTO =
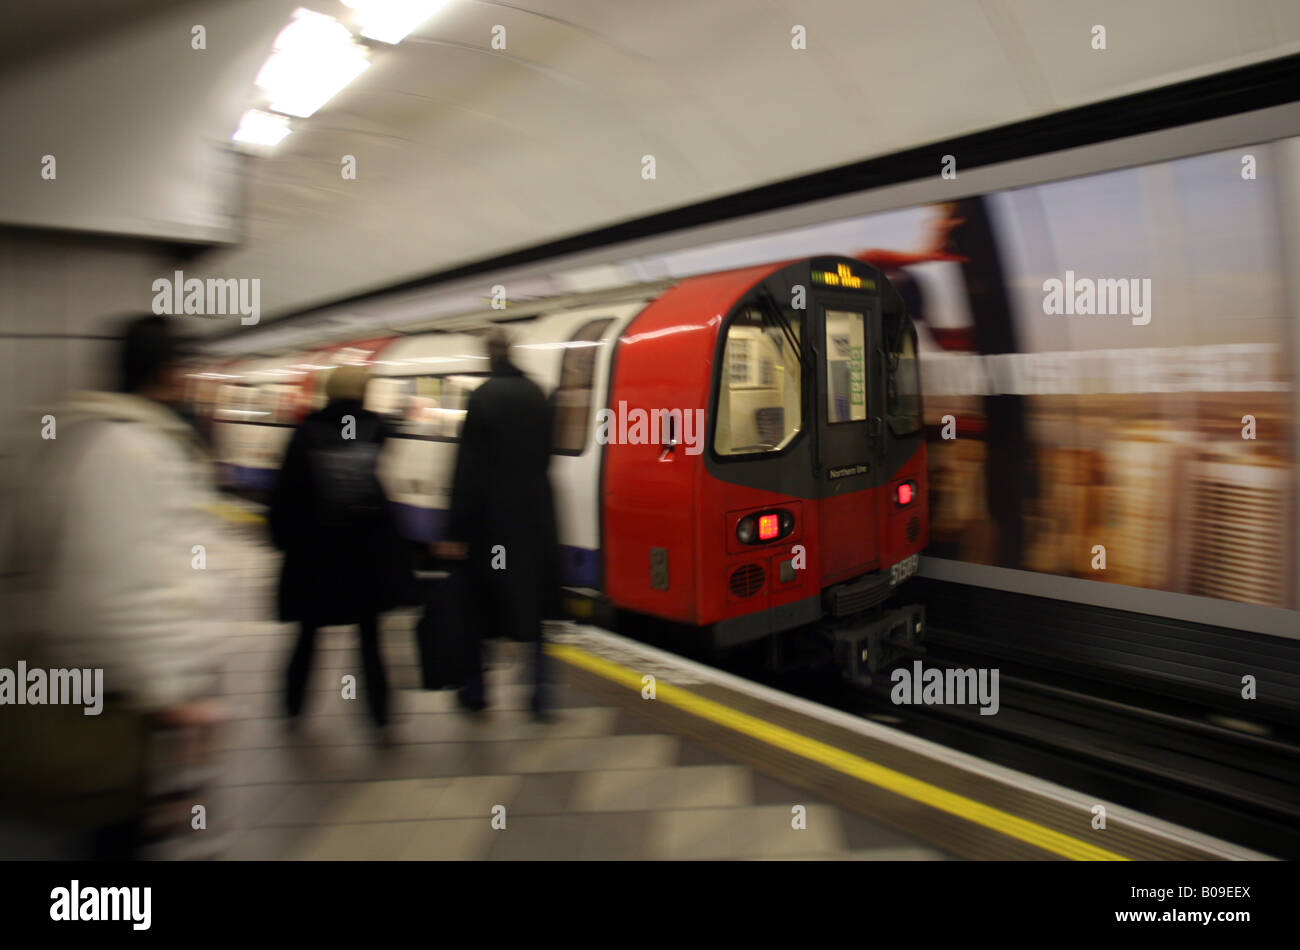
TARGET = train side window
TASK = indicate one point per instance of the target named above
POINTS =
(279, 403)
(453, 402)
(230, 403)
(760, 393)
(261, 403)
(384, 396)
(431, 407)
(572, 398)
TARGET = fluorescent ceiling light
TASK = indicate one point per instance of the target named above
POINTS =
(261, 128)
(389, 21)
(314, 57)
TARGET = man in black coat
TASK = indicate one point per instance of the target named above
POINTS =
(343, 560)
(502, 518)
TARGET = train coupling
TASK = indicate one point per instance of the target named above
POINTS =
(866, 647)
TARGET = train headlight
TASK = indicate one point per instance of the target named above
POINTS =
(745, 531)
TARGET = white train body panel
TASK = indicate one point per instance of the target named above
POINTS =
(253, 419)
(417, 467)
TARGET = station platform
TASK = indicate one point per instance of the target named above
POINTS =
(711, 767)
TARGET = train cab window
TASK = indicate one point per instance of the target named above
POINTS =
(760, 393)
(846, 367)
(738, 361)
(903, 376)
(573, 395)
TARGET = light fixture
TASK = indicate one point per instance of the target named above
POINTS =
(261, 128)
(313, 58)
(389, 21)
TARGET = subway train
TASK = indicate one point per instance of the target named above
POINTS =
(1107, 491)
(739, 452)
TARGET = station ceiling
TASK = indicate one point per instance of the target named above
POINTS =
(463, 151)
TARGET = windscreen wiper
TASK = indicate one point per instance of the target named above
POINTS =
(773, 311)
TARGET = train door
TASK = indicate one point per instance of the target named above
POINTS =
(849, 433)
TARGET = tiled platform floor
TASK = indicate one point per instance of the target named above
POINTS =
(599, 782)
(596, 783)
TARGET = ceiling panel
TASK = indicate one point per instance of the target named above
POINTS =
(464, 152)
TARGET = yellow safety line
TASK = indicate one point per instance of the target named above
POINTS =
(236, 514)
(1004, 822)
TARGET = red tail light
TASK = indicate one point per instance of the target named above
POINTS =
(764, 527)
(905, 494)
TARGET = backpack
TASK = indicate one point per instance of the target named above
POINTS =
(348, 492)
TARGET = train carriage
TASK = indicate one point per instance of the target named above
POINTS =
(251, 407)
(741, 452)
(256, 406)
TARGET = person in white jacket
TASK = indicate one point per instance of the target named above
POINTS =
(116, 528)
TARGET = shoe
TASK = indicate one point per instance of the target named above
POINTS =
(470, 706)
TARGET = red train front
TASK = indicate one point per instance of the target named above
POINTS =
(793, 504)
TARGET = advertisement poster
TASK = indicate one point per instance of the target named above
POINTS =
(1106, 371)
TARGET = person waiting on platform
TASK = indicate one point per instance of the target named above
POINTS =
(343, 562)
(502, 519)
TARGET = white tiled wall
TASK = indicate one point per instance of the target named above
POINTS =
(58, 293)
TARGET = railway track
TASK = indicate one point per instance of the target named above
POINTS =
(1184, 763)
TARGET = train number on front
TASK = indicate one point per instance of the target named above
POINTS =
(904, 569)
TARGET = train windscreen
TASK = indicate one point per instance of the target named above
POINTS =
(902, 375)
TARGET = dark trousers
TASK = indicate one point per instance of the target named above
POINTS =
(474, 691)
(376, 679)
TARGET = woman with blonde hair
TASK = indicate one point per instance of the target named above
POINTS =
(343, 560)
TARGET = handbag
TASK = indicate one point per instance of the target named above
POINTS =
(58, 766)
(61, 768)
(444, 634)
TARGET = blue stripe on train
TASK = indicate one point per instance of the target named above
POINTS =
(242, 476)
(579, 567)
